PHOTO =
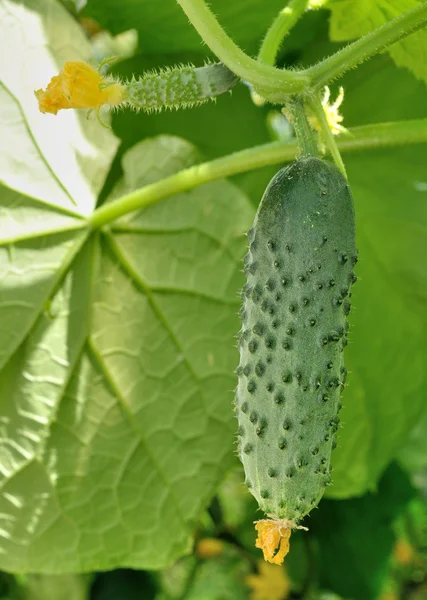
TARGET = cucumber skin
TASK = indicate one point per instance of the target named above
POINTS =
(299, 270)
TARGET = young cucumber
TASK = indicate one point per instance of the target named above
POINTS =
(299, 270)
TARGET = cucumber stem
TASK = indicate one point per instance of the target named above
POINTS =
(378, 135)
(306, 136)
(276, 84)
(280, 27)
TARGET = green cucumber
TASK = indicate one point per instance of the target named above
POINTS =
(178, 87)
(299, 270)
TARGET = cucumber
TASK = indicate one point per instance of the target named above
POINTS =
(299, 271)
(178, 87)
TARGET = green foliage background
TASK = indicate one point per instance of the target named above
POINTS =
(117, 351)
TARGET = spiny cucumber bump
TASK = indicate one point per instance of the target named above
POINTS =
(302, 244)
(182, 86)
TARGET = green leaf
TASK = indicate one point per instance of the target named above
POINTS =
(413, 455)
(56, 587)
(118, 402)
(355, 537)
(220, 578)
(118, 349)
(353, 18)
(51, 170)
(163, 24)
(386, 355)
(175, 579)
(236, 503)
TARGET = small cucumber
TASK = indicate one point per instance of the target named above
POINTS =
(178, 87)
(299, 270)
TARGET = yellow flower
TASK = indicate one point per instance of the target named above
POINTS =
(403, 552)
(273, 539)
(78, 85)
(209, 548)
(271, 583)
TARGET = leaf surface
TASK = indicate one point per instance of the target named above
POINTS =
(118, 349)
(119, 400)
(163, 24)
(352, 19)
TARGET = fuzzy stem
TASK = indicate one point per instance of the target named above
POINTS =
(306, 136)
(272, 83)
(276, 84)
(368, 45)
(280, 27)
(316, 106)
(359, 138)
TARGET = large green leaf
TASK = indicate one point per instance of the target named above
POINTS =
(163, 25)
(56, 587)
(117, 354)
(117, 401)
(50, 170)
(387, 352)
(220, 579)
(413, 454)
(353, 18)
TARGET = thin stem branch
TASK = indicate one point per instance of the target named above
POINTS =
(315, 104)
(306, 136)
(368, 45)
(358, 138)
(271, 82)
(276, 84)
(280, 27)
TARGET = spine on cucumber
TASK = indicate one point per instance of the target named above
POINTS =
(299, 270)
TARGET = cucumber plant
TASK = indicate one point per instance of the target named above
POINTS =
(302, 248)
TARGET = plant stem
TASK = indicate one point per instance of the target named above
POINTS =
(306, 136)
(368, 45)
(315, 104)
(280, 27)
(358, 138)
(275, 84)
(272, 83)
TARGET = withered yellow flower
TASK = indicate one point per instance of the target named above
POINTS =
(273, 539)
(78, 85)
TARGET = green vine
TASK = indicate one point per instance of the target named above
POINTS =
(187, 86)
(271, 83)
(306, 136)
(275, 85)
(364, 137)
(280, 27)
(184, 86)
